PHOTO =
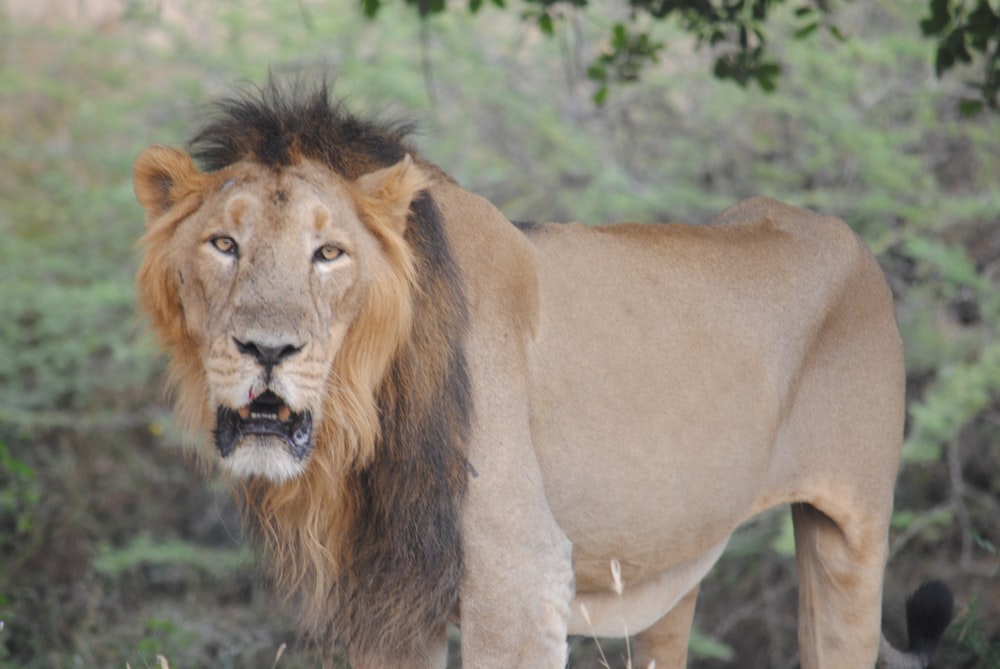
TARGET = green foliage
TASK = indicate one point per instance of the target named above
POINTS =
(736, 31)
(961, 392)
(951, 267)
(159, 634)
(19, 495)
(964, 28)
(968, 369)
(934, 526)
(784, 542)
(705, 647)
(144, 551)
(969, 634)
(624, 60)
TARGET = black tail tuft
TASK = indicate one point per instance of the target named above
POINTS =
(929, 611)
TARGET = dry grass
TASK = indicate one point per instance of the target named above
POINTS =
(619, 587)
(162, 663)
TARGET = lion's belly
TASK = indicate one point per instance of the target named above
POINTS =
(631, 606)
(652, 459)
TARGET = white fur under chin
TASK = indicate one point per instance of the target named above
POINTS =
(256, 458)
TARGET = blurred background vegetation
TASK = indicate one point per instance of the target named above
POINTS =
(113, 550)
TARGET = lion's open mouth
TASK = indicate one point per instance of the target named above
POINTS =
(266, 416)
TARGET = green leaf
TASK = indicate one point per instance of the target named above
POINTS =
(619, 37)
(939, 19)
(837, 34)
(807, 30)
(545, 24)
(984, 543)
(708, 647)
(601, 95)
(723, 68)
(597, 72)
(767, 76)
(784, 543)
(944, 60)
(370, 7)
(902, 519)
(983, 25)
(428, 7)
(968, 107)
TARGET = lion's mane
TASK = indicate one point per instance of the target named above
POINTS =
(368, 540)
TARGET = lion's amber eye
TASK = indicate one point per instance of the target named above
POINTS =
(225, 245)
(328, 252)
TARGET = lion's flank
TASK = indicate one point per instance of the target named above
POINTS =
(284, 122)
(371, 551)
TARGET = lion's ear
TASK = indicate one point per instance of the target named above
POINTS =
(393, 189)
(162, 176)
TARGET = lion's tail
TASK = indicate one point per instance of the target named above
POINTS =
(929, 611)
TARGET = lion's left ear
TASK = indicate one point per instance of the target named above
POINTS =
(393, 189)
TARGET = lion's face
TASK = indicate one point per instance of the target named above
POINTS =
(255, 278)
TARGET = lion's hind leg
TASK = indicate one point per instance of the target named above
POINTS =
(840, 590)
(666, 642)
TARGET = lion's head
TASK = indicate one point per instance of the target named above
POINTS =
(301, 283)
(284, 293)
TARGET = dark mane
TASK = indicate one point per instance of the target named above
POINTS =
(392, 526)
(405, 559)
(283, 122)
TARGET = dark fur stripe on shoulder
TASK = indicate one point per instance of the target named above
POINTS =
(406, 561)
(283, 122)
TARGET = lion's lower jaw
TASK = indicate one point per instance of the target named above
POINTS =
(261, 458)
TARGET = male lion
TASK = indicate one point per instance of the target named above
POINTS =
(432, 415)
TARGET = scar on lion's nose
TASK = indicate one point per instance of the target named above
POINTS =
(267, 356)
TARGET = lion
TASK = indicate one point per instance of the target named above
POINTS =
(431, 415)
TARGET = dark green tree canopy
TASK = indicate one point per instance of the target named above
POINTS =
(966, 32)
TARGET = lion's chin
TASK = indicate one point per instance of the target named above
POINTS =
(263, 457)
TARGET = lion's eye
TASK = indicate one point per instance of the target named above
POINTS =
(226, 245)
(328, 253)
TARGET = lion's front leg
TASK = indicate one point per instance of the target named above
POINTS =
(518, 585)
(515, 595)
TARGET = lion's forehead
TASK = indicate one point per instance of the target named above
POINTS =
(290, 200)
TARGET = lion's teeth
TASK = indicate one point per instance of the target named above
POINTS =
(284, 413)
(244, 412)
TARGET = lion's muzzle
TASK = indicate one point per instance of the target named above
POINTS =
(266, 416)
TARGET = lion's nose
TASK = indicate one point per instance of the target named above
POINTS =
(268, 356)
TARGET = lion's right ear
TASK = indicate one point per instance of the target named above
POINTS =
(162, 176)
